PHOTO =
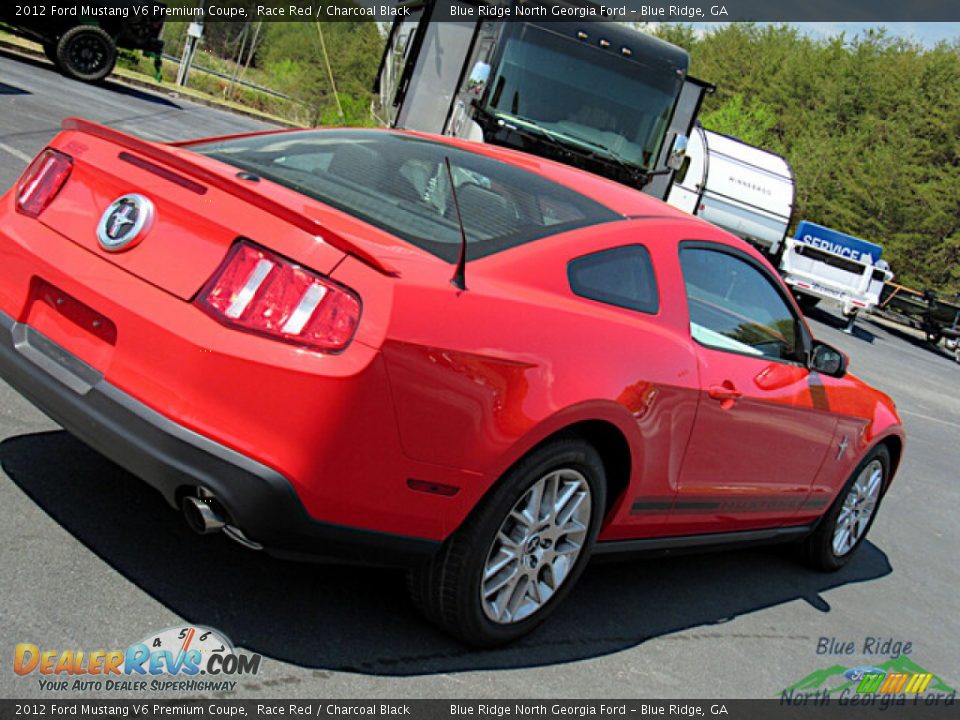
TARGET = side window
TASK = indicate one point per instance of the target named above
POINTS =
(620, 276)
(735, 307)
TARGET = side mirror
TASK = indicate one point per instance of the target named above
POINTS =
(827, 360)
(678, 152)
(478, 78)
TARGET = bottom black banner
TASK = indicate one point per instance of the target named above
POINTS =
(786, 707)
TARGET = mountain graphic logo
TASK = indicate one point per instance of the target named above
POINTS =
(902, 673)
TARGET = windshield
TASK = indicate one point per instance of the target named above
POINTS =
(399, 183)
(584, 95)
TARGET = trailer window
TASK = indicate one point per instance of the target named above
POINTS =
(399, 183)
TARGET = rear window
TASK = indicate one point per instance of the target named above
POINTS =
(399, 183)
(620, 276)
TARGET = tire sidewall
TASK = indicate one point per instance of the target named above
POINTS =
(575, 455)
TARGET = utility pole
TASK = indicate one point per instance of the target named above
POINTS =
(194, 33)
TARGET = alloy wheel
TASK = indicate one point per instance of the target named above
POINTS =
(858, 508)
(536, 547)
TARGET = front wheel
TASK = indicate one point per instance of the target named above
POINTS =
(842, 530)
(521, 551)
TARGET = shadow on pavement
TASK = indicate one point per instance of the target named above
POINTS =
(112, 85)
(11, 90)
(900, 333)
(359, 620)
(838, 322)
(133, 92)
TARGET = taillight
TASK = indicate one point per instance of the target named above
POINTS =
(42, 180)
(260, 292)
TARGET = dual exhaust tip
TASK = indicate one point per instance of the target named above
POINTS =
(205, 515)
(202, 515)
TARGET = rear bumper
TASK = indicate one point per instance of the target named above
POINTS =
(849, 301)
(169, 456)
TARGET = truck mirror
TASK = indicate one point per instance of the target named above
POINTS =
(678, 152)
(478, 78)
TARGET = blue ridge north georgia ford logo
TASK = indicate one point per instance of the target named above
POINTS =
(125, 222)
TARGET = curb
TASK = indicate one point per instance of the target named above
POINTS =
(167, 90)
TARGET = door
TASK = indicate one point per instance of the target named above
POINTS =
(397, 64)
(763, 426)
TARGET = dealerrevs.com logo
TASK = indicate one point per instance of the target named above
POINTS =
(186, 659)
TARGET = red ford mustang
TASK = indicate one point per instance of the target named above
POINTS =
(276, 332)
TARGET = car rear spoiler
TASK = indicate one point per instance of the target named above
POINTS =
(156, 152)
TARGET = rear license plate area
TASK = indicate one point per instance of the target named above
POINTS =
(70, 323)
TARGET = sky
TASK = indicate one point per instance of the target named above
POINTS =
(925, 33)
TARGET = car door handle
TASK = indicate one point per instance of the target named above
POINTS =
(726, 393)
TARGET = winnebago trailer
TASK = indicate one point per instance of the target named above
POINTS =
(741, 188)
(596, 95)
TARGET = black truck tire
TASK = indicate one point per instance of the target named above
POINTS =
(86, 53)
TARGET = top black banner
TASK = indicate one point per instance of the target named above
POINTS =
(690, 11)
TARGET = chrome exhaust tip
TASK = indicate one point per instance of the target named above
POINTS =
(202, 516)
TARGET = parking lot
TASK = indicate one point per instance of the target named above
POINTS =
(92, 558)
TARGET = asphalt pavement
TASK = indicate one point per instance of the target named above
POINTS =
(92, 558)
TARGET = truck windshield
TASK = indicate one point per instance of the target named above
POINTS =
(583, 94)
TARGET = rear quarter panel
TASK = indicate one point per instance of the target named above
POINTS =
(480, 377)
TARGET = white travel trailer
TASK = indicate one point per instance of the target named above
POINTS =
(741, 188)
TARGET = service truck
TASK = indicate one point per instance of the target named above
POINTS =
(597, 95)
(819, 263)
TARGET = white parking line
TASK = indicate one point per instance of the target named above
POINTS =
(16, 153)
(931, 419)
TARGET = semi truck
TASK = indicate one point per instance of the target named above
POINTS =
(600, 96)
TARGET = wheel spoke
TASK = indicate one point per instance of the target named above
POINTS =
(567, 514)
(517, 594)
(532, 509)
(495, 566)
(548, 508)
(507, 577)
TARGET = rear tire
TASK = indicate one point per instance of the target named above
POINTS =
(86, 53)
(826, 549)
(806, 302)
(520, 552)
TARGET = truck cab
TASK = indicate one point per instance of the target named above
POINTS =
(596, 95)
